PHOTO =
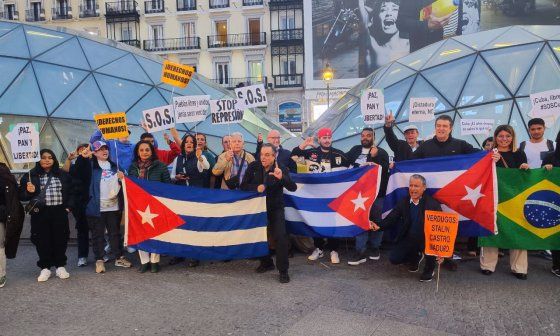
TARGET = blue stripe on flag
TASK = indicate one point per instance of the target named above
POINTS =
(439, 164)
(242, 251)
(308, 204)
(302, 229)
(217, 224)
(347, 175)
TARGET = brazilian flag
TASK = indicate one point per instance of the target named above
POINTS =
(528, 210)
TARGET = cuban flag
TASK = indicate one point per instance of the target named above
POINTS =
(465, 184)
(335, 204)
(193, 222)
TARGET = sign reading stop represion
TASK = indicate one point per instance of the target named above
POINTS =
(440, 229)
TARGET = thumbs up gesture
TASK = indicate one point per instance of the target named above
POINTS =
(277, 172)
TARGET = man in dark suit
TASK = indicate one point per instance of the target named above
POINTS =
(283, 156)
(408, 214)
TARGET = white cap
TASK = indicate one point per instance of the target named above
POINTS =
(410, 127)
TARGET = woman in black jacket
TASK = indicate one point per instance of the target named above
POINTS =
(49, 190)
(550, 161)
(191, 167)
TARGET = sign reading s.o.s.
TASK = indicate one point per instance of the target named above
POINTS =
(159, 118)
(251, 96)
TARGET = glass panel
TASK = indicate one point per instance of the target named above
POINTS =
(354, 123)
(544, 76)
(514, 36)
(456, 133)
(13, 44)
(8, 120)
(395, 73)
(48, 139)
(73, 132)
(449, 51)
(545, 32)
(57, 82)
(512, 64)
(99, 54)
(395, 95)
(9, 68)
(525, 107)
(83, 103)
(119, 93)
(479, 40)
(23, 96)
(449, 78)
(152, 100)
(500, 112)
(6, 27)
(346, 143)
(417, 59)
(422, 89)
(68, 54)
(126, 67)
(190, 90)
(40, 40)
(519, 125)
(152, 68)
(335, 115)
(425, 129)
(482, 86)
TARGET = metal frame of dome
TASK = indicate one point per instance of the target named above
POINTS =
(485, 75)
(59, 78)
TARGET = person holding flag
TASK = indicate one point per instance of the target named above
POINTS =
(202, 145)
(550, 161)
(267, 176)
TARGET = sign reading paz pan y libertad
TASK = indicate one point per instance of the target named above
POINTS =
(112, 125)
(24, 142)
(373, 106)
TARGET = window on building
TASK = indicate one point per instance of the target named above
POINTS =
(255, 71)
(222, 73)
(188, 32)
(289, 68)
(36, 11)
(287, 22)
(254, 27)
(126, 33)
(9, 11)
(156, 34)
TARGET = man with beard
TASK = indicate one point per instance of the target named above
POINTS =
(360, 155)
(420, 33)
(402, 149)
(321, 159)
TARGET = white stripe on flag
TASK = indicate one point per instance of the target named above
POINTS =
(434, 180)
(215, 210)
(214, 239)
(317, 219)
(332, 190)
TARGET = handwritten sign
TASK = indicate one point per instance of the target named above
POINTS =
(190, 108)
(112, 125)
(176, 74)
(24, 142)
(440, 229)
(159, 118)
(373, 106)
(225, 111)
(476, 126)
(546, 104)
(422, 109)
(251, 96)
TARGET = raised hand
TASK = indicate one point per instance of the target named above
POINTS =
(198, 154)
(229, 155)
(260, 137)
(389, 119)
(72, 156)
(277, 172)
(120, 175)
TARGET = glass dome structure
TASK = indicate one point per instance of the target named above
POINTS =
(485, 75)
(60, 78)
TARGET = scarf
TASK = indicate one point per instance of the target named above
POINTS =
(143, 168)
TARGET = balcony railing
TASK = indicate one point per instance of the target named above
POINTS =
(89, 11)
(236, 40)
(286, 35)
(214, 4)
(186, 5)
(183, 43)
(154, 6)
(121, 8)
(253, 2)
(13, 15)
(232, 83)
(32, 15)
(64, 13)
(134, 43)
(291, 80)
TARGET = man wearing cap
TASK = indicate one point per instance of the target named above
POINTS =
(323, 158)
(402, 149)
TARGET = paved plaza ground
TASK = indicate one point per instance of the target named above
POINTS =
(231, 299)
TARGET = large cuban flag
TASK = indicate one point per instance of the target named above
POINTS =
(335, 204)
(193, 222)
(465, 184)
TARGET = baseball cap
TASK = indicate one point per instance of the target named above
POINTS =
(410, 127)
(98, 145)
(324, 132)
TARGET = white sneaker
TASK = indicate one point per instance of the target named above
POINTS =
(317, 253)
(130, 249)
(82, 262)
(334, 258)
(62, 273)
(45, 275)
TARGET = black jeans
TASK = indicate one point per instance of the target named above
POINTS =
(406, 251)
(82, 230)
(555, 259)
(277, 231)
(109, 220)
(327, 243)
(49, 234)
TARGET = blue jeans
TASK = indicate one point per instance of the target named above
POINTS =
(374, 237)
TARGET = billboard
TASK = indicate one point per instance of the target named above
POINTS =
(289, 116)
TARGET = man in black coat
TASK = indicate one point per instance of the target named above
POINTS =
(408, 214)
(419, 33)
(283, 156)
(402, 149)
(266, 175)
(360, 155)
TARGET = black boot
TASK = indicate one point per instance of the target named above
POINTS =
(144, 268)
(265, 267)
(284, 277)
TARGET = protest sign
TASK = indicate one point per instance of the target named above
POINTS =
(190, 108)
(24, 142)
(373, 106)
(176, 74)
(546, 104)
(251, 96)
(159, 118)
(440, 229)
(422, 109)
(476, 126)
(112, 125)
(225, 111)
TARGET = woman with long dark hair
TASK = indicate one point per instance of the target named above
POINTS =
(49, 190)
(550, 161)
(146, 165)
(202, 144)
(190, 167)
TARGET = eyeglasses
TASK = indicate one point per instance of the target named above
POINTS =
(274, 137)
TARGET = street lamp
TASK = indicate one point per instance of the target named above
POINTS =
(328, 75)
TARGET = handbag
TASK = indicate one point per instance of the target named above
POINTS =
(38, 202)
(234, 181)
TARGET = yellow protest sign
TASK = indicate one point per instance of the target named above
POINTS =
(440, 229)
(112, 125)
(176, 74)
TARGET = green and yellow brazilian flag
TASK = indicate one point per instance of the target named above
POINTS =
(528, 210)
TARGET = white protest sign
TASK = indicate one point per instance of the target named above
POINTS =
(476, 126)
(546, 104)
(159, 118)
(225, 111)
(190, 108)
(251, 96)
(24, 142)
(373, 106)
(422, 109)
